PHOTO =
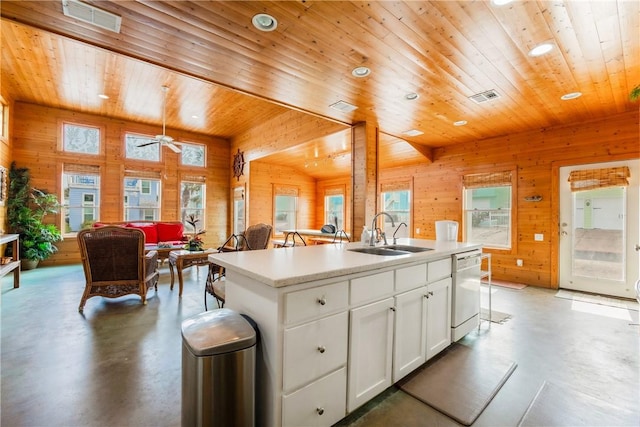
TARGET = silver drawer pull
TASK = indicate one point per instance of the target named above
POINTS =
(322, 301)
(321, 349)
(320, 411)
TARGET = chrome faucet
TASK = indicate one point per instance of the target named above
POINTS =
(395, 239)
(373, 227)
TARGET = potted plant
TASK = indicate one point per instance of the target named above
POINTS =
(194, 243)
(26, 210)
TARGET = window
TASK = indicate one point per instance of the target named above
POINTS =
(80, 139)
(238, 210)
(285, 208)
(4, 119)
(396, 201)
(80, 197)
(334, 207)
(487, 209)
(135, 148)
(193, 154)
(141, 199)
(192, 197)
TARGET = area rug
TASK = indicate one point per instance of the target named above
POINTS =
(505, 284)
(598, 299)
(554, 405)
(496, 316)
(460, 383)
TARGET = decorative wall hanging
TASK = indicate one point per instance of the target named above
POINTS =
(238, 164)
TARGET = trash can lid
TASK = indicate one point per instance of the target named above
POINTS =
(217, 332)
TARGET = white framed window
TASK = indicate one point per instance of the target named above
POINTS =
(239, 223)
(395, 199)
(487, 202)
(334, 207)
(141, 198)
(80, 138)
(285, 205)
(193, 154)
(192, 202)
(141, 147)
(4, 119)
(80, 197)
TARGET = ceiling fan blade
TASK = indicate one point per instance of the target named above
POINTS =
(148, 143)
(173, 147)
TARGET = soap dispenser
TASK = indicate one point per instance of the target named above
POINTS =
(365, 237)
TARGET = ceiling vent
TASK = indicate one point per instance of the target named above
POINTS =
(479, 98)
(92, 15)
(343, 106)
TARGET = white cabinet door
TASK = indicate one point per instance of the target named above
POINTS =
(438, 316)
(370, 351)
(409, 350)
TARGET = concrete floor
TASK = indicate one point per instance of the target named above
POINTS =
(119, 364)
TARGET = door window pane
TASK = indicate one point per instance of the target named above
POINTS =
(81, 200)
(139, 204)
(238, 210)
(599, 233)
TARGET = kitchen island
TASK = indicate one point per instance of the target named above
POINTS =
(337, 327)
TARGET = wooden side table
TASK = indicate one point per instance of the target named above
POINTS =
(14, 263)
(182, 259)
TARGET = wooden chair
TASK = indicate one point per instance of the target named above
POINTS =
(115, 263)
(255, 237)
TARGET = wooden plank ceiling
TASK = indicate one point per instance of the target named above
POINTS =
(231, 76)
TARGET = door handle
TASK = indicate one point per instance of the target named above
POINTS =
(637, 247)
(564, 233)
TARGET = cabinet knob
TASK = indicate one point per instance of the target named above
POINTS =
(392, 308)
(426, 295)
(430, 293)
(321, 349)
(322, 301)
(320, 411)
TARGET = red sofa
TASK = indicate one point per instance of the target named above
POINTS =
(155, 232)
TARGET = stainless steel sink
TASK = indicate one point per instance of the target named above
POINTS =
(379, 250)
(390, 250)
(407, 248)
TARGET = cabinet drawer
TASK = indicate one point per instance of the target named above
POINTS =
(322, 403)
(408, 278)
(314, 349)
(371, 288)
(315, 302)
(437, 270)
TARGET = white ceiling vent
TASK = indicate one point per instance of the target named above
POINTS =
(92, 15)
(484, 96)
(343, 106)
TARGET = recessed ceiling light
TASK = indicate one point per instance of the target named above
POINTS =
(194, 116)
(361, 71)
(541, 49)
(460, 123)
(500, 2)
(411, 96)
(264, 22)
(572, 95)
(103, 96)
(412, 132)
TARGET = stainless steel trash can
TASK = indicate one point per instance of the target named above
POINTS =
(218, 370)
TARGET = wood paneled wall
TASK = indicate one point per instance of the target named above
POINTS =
(263, 176)
(535, 156)
(36, 142)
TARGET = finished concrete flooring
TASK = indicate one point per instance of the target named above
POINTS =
(119, 363)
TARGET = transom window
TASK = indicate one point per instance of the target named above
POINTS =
(135, 147)
(193, 154)
(80, 139)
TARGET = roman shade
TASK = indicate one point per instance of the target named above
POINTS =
(589, 179)
(490, 179)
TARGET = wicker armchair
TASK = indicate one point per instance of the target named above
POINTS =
(115, 263)
(255, 237)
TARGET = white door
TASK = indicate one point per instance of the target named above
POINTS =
(599, 234)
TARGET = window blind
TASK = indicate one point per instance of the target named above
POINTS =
(490, 179)
(588, 179)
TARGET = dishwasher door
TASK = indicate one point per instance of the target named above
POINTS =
(465, 314)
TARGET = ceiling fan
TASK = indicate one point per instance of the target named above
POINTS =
(164, 139)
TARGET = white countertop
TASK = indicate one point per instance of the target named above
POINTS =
(293, 265)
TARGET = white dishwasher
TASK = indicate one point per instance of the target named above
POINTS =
(465, 314)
